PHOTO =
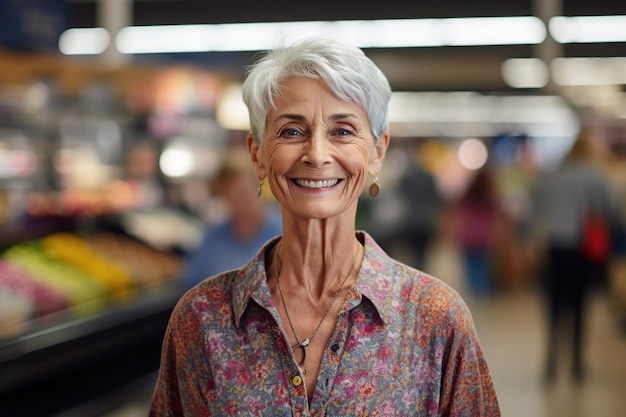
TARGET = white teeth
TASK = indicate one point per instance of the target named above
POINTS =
(317, 184)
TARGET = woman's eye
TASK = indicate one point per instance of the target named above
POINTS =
(290, 133)
(343, 132)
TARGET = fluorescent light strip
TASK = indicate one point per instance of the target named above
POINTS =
(459, 114)
(365, 34)
(492, 31)
(588, 29)
(87, 41)
(589, 71)
(534, 73)
(390, 33)
(525, 72)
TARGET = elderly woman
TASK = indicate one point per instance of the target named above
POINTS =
(321, 321)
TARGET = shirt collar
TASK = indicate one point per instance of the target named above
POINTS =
(376, 277)
(252, 280)
(373, 282)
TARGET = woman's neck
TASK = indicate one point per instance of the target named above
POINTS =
(317, 257)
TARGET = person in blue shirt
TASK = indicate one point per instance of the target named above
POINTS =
(250, 222)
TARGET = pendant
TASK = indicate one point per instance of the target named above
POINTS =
(303, 345)
(374, 189)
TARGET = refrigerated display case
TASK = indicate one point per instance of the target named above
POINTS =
(83, 302)
(80, 316)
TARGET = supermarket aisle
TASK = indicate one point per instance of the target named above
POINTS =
(512, 332)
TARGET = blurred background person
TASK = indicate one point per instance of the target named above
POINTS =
(476, 216)
(563, 200)
(142, 174)
(421, 204)
(251, 220)
(615, 167)
(515, 177)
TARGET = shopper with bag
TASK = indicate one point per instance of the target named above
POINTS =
(573, 210)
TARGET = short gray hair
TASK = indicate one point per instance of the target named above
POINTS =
(347, 71)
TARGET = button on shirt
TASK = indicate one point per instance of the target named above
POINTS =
(404, 345)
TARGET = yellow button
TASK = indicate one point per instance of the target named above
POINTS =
(297, 380)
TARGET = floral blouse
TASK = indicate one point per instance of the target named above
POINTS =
(404, 345)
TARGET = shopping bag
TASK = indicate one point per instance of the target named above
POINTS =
(596, 238)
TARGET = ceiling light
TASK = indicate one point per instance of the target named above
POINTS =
(389, 33)
(458, 114)
(160, 39)
(472, 154)
(517, 30)
(85, 41)
(525, 73)
(589, 71)
(588, 29)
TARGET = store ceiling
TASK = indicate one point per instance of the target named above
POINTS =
(418, 69)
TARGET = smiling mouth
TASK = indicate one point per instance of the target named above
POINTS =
(316, 184)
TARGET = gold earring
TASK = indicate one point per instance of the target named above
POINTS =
(260, 188)
(374, 188)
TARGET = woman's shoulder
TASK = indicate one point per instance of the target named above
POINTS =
(209, 294)
(401, 275)
(418, 287)
(430, 302)
(430, 287)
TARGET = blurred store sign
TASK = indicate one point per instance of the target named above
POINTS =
(33, 25)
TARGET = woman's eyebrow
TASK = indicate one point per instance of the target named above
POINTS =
(343, 116)
(290, 116)
(299, 117)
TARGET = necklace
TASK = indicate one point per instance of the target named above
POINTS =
(305, 343)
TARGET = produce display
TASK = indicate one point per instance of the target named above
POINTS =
(15, 309)
(42, 298)
(76, 274)
(75, 251)
(147, 267)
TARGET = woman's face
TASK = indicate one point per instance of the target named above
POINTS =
(317, 150)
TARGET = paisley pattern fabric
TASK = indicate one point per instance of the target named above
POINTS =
(404, 345)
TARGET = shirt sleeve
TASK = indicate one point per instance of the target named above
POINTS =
(183, 381)
(466, 388)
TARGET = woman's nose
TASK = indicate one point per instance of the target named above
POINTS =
(318, 151)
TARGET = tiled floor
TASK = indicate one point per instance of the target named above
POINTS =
(512, 332)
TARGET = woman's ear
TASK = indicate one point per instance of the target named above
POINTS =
(377, 155)
(255, 155)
